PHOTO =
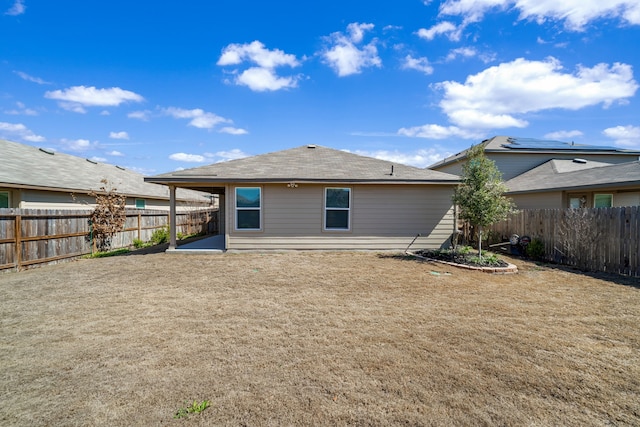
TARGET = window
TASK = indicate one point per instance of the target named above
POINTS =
(603, 200)
(337, 207)
(248, 206)
(4, 199)
(140, 204)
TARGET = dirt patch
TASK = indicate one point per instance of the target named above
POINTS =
(321, 338)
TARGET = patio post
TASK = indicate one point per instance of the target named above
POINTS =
(172, 217)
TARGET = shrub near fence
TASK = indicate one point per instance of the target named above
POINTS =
(35, 236)
(602, 239)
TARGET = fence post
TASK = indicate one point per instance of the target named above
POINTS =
(18, 237)
(139, 226)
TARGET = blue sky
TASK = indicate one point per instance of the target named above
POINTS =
(160, 86)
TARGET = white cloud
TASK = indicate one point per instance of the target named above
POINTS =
(263, 77)
(199, 118)
(345, 57)
(97, 159)
(27, 77)
(223, 156)
(18, 8)
(433, 131)
(114, 153)
(447, 28)
(77, 97)
(575, 14)
(563, 134)
(118, 135)
(184, 157)
(143, 115)
(418, 158)
(495, 97)
(420, 64)
(233, 131)
(624, 136)
(466, 52)
(78, 144)
(20, 131)
(21, 110)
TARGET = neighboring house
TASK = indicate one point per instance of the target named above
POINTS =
(37, 178)
(313, 197)
(514, 156)
(576, 183)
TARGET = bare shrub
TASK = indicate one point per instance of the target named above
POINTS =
(109, 215)
(577, 235)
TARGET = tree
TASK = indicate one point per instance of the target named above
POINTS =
(109, 215)
(480, 196)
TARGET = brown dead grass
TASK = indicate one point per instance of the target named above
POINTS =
(322, 338)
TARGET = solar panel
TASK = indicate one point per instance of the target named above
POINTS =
(541, 144)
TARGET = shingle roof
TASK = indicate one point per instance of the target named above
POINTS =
(569, 174)
(307, 163)
(27, 166)
(513, 144)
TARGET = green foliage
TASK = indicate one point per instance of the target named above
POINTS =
(480, 196)
(160, 236)
(108, 253)
(194, 408)
(535, 249)
(491, 259)
(465, 250)
(137, 243)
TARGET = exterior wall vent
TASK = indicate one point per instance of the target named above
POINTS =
(311, 146)
(581, 161)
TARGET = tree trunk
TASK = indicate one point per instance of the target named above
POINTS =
(480, 242)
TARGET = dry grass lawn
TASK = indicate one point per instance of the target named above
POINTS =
(321, 338)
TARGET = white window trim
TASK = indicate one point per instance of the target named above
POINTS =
(595, 196)
(236, 209)
(8, 193)
(324, 216)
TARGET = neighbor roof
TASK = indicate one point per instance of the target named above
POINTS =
(308, 163)
(575, 174)
(507, 144)
(24, 166)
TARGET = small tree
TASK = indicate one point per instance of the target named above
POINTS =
(480, 196)
(109, 215)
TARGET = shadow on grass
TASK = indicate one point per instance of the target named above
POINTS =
(618, 279)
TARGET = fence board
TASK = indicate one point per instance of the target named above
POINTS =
(35, 236)
(603, 239)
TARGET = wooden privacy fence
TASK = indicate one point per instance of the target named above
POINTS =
(602, 239)
(37, 236)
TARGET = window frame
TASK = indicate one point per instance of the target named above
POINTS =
(244, 208)
(595, 199)
(347, 209)
(144, 203)
(8, 193)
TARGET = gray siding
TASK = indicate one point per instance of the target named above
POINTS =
(382, 217)
(548, 200)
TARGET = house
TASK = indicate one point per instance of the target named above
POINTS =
(314, 197)
(514, 156)
(38, 178)
(576, 183)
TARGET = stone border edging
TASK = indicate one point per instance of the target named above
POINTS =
(509, 269)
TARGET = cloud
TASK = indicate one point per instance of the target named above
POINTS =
(433, 131)
(223, 156)
(21, 110)
(563, 134)
(114, 153)
(118, 135)
(343, 54)
(624, 136)
(497, 96)
(575, 14)
(418, 158)
(263, 77)
(199, 118)
(420, 64)
(18, 8)
(233, 131)
(77, 97)
(97, 159)
(78, 144)
(184, 157)
(447, 28)
(143, 115)
(19, 130)
(27, 77)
